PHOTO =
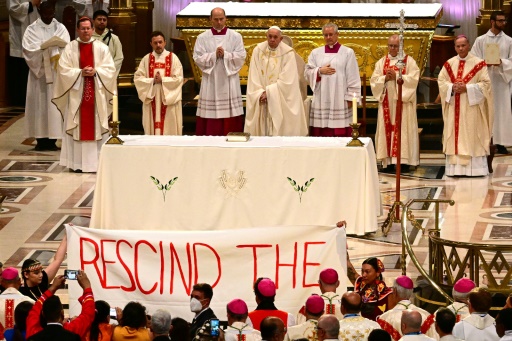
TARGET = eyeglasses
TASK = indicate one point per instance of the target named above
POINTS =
(502, 20)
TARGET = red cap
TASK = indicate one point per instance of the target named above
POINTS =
(315, 304)
(266, 287)
(238, 306)
(405, 282)
(329, 276)
(463, 285)
(10, 273)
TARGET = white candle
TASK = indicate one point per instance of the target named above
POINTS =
(354, 109)
(115, 112)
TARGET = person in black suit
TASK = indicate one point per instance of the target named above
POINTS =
(200, 299)
(54, 316)
(161, 325)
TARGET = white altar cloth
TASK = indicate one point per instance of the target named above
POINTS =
(228, 185)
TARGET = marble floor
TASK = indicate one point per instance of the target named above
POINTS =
(42, 196)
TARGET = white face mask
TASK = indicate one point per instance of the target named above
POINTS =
(195, 305)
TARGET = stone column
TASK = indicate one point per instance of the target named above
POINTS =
(122, 20)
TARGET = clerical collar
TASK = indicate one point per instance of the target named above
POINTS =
(222, 32)
(85, 42)
(158, 54)
(460, 58)
(392, 58)
(332, 49)
(272, 49)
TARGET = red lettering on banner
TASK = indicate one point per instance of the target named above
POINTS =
(219, 268)
(188, 287)
(293, 265)
(136, 263)
(128, 272)
(105, 262)
(162, 264)
(84, 262)
(306, 264)
(254, 256)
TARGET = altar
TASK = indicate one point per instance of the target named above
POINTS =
(207, 183)
(362, 27)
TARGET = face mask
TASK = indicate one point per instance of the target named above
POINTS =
(195, 305)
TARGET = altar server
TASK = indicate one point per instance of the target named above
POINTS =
(274, 102)
(220, 54)
(86, 74)
(43, 44)
(501, 78)
(333, 75)
(159, 80)
(385, 89)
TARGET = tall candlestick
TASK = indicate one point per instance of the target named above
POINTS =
(354, 109)
(115, 112)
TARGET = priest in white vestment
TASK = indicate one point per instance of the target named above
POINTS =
(501, 78)
(220, 54)
(86, 74)
(465, 90)
(105, 35)
(353, 326)
(410, 326)
(333, 75)
(10, 298)
(390, 321)
(43, 43)
(479, 325)
(274, 103)
(385, 89)
(159, 80)
(460, 294)
(239, 327)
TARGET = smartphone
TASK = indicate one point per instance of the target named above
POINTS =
(71, 274)
(214, 327)
(113, 313)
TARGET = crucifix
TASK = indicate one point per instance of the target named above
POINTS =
(394, 212)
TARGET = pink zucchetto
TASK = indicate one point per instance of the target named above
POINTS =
(329, 276)
(238, 306)
(464, 285)
(405, 282)
(267, 288)
(10, 273)
(315, 304)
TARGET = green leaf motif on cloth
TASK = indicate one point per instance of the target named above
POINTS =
(164, 187)
(300, 189)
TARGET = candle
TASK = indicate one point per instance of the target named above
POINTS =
(115, 113)
(354, 109)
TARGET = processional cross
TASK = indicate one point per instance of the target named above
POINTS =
(394, 212)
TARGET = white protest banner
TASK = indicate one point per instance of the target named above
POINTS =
(159, 268)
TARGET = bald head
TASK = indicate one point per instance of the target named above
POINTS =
(393, 45)
(350, 303)
(218, 18)
(328, 327)
(462, 46)
(411, 321)
(272, 328)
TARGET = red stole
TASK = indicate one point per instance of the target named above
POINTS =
(87, 107)
(395, 335)
(388, 127)
(464, 80)
(9, 317)
(152, 66)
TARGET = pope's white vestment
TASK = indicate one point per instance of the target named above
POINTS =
(274, 71)
(42, 119)
(476, 327)
(386, 92)
(161, 103)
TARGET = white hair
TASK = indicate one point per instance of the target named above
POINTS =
(460, 296)
(161, 322)
(333, 25)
